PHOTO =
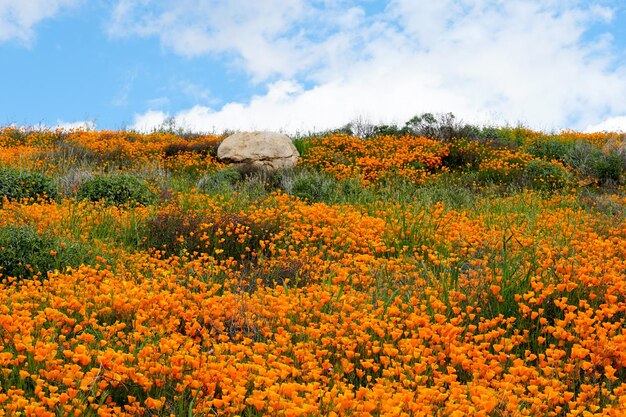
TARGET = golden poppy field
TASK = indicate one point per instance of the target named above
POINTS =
(389, 275)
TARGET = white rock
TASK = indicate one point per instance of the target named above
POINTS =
(266, 151)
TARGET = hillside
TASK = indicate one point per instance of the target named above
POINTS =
(433, 269)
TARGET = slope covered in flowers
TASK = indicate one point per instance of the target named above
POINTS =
(443, 278)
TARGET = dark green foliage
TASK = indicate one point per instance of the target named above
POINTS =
(608, 168)
(24, 253)
(536, 174)
(173, 231)
(544, 175)
(464, 155)
(116, 189)
(549, 149)
(16, 184)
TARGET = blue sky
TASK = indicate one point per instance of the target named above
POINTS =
(296, 65)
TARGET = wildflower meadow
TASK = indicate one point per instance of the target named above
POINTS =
(405, 272)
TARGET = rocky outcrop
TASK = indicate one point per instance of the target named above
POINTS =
(252, 151)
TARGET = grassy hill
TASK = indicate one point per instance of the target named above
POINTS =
(431, 269)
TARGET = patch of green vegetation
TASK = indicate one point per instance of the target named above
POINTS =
(116, 189)
(17, 184)
(24, 253)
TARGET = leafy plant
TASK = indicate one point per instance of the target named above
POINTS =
(550, 149)
(24, 253)
(540, 174)
(116, 189)
(16, 184)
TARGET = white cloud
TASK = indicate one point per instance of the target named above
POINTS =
(267, 37)
(612, 124)
(18, 17)
(526, 61)
(78, 125)
(149, 120)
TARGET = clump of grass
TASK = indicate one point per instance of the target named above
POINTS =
(25, 254)
(223, 180)
(312, 186)
(317, 187)
(116, 189)
(605, 168)
(70, 152)
(303, 145)
(70, 182)
(17, 184)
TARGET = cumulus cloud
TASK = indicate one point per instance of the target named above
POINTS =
(149, 120)
(18, 17)
(325, 63)
(265, 37)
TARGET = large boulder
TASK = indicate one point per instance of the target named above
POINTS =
(253, 151)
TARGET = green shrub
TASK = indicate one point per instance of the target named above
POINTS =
(24, 253)
(389, 130)
(549, 149)
(608, 168)
(545, 175)
(70, 182)
(223, 180)
(16, 184)
(116, 189)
